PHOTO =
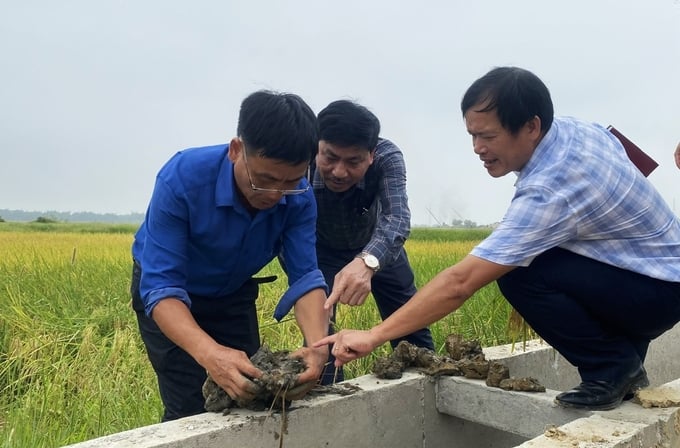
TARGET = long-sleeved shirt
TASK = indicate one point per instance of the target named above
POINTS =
(198, 238)
(579, 191)
(373, 215)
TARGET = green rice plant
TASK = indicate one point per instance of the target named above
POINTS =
(448, 234)
(66, 227)
(485, 315)
(72, 364)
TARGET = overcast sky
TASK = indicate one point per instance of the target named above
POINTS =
(96, 95)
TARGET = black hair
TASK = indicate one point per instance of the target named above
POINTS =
(345, 123)
(516, 94)
(278, 126)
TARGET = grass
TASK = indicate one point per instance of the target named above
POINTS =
(72, 365)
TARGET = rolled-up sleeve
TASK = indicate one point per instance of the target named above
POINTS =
(311, 280)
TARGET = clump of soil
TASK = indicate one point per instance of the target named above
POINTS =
(466, 358)
(577, 439)
(280, 374)
(658, 397)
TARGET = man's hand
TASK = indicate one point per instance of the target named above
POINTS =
(349, 345)
(351, 285)
(232, 371)
(315, 360)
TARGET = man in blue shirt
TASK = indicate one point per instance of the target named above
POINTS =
(359, 181)
(217, 216)
(588, 251)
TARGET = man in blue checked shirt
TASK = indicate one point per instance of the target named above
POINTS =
(217, 216)
(588, 251)
(359, 181)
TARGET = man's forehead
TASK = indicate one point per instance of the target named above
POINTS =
(482, 121)
(345, 152)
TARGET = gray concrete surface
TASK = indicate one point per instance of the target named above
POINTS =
(422, 412)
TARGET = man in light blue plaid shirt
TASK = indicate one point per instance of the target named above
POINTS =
(588, 251)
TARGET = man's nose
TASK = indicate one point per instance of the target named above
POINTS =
(339, 170)
(477, 145)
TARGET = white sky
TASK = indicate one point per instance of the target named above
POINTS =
(96, 95)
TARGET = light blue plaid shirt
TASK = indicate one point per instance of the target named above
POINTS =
(579, 191)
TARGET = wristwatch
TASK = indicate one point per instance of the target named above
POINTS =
(371, 261)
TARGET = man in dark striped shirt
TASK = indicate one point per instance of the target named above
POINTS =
(359, 181)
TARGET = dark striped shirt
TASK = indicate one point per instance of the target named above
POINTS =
(372, 215)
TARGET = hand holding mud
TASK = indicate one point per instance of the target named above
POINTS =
(349, 345)
(232, 371)
(314, 360)
(352, 285)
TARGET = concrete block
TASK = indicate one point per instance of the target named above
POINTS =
(385, 413)
(604, 430)
(536, 359)
(421, 412)
(628, 426)
(526, 414)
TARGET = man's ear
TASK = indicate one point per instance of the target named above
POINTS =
(372, 155)
(235, 148)
(535, 124)
(533, 128)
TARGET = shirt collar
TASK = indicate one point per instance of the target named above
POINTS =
(539, 152)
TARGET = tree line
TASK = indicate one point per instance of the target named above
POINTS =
(57, 216)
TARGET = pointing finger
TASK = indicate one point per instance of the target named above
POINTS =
(325, 341)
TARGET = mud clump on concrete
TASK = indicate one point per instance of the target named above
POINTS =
(280, 374)
(658, 397)
(524, 384)
(465, 358)
(565, 438)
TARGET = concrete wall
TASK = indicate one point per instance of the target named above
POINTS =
(422, 412)
(394, 413)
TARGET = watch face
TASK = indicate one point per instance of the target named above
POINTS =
(371, 261)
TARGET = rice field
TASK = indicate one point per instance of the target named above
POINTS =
(72, 365)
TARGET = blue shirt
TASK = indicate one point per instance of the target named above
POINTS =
(198, 238)
(579, 191)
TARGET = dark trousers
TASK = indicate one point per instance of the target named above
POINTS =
(392, 286)
(599, 317)
(230, 320)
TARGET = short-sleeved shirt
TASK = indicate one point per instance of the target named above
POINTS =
(579, 191)
(198, 238)
(373, 215)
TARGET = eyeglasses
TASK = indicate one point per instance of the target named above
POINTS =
(269, 190)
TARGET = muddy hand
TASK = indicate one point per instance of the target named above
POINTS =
(300, 390)
(241, 388)
(233, 371)
(314, 360)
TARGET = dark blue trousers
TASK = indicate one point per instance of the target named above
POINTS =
(230, 320)
(392, 286)
(599, 317)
